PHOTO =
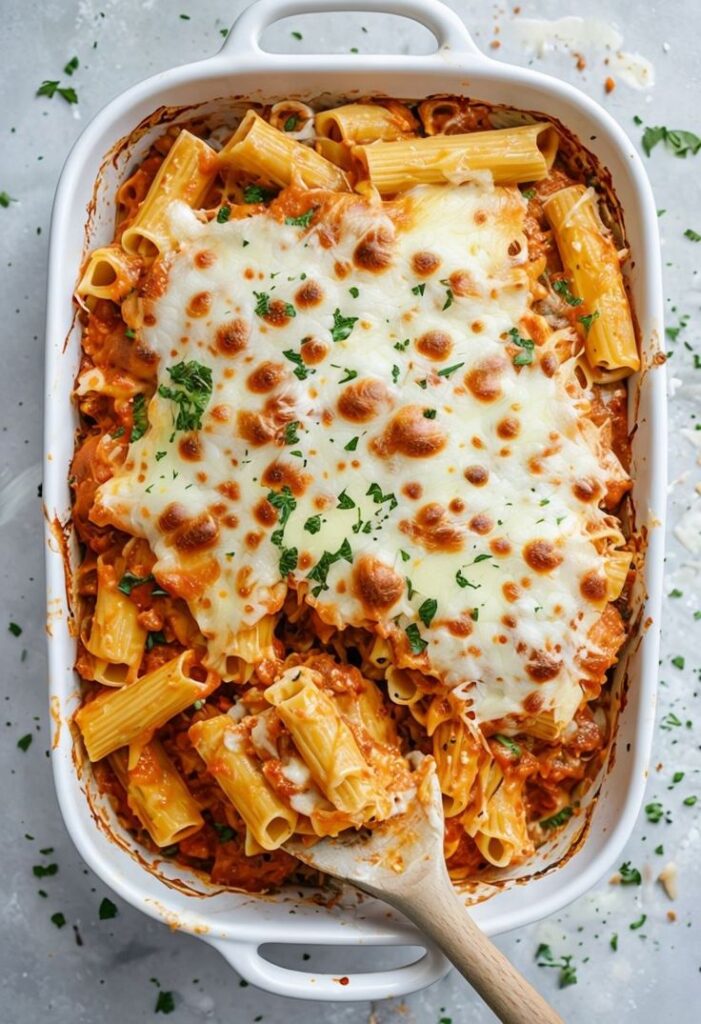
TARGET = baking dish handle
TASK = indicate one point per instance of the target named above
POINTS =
(247, 961)
(446, 26)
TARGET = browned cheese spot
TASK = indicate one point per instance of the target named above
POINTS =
(198, 534)
(425, 263)
(374, 250)
(593, 587)
(230, 489)
(376, 585)
(436, 345)
(362, 400)
(277, 315)
(254, 428)
(412, 490)
(310, 294)
(586, 489)
(541, 556)
(410, 433)
(265, 377)
(199, 305)
(232, 337)
(484, 379)
(313, 351)
(205, 258)
(190, 448)
(172, 517)
(500, 547)
(279, 475)
(508, 427)
(265, 513)
(476, 475)
(433, 529)
(541, 667)
(481, 523)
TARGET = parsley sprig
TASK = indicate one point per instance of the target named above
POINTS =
(191, 394)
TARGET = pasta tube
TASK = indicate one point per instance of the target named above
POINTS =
(115, 719)
(258, 149)
(185, 174)
(110, 273)
(511, 154)
(221, 743)
(366, 122)
(157, 794)
(590, 257)
(115, 638)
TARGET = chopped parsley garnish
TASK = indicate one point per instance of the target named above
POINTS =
(160, 455)
(676, 593)
(428, 610)
(475, 614)
(689, 801)
(563, 290)
(402, 346)
(301, 371)
(25, 742)
(50, 88)
(677, 777)
(263, 305)
(344, 501)
(15, 629)
(352, 445)
(448, 299)
(285, 503)
(165, 1002)
(350, 375)
(510, 744)
(107, 910)
(639, 923)
(342, 325)
(395, 373)
(678, 661)
(659, 850)
(257, 194)
(224, 214)
(291, 123)
(139, 417)
(313, 524)
(678, 142)
(555, 820)
(130, 333)
(288, 561)
(587, 321)
(355, 292)
(629, 875)
(670, 721)
(692, 235)
(193, 390)
(568, 973)
(155, 638)
(41, 871)
(429, 414)
(613, 942)
(419, 289)
(375, 492)
(417, 643)
(224, 832)
(524, 358)
(448, 370)
(58, 919)
(296, 35)
(654, 812)
(289, 434)
(304, 219)
(405, 555)
(462, 581)
(129, 581)
(529, 193)
(6, 199)
(321, 570)
(409, 588)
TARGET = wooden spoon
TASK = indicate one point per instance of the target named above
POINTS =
(401, 861)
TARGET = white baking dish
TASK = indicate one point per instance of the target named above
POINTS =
(238, 924)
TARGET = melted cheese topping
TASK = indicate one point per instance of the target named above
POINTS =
(417, 453)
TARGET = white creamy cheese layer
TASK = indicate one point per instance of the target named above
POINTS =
(365, 363)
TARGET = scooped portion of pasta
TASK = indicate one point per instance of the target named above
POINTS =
(349, 483)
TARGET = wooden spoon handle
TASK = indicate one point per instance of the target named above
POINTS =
(440, 913)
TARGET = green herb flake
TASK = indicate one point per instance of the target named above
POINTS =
(629, 875)
(678, 661)
(304, 219)
(139, 417)
(529, 193)
(690, 801)
(288, 561)
(613, 942)
(654, 812)
(588, 320)
(524, 358)
(25, 742)
(224, 832)
(677, 777)
(129, 581)
(692, 235)
(428, 610)
(675, 593)
(639, 923)
(223, 214)
(401, 346)
(313, 524)
(555, 820)
(72, 65)
(6, 199)
(374, 491)
(291, 123)
(680, 143)
(511, 745)
(155, 638)
(289, 434)
(191, 395)
(395, 373)
(462, 581)
(342, 325)
(15, 629)
(419, 289)
(349, 375)
(58, 919)
(562, 288)
(448, 370)
(344, 501)
(448, 299)
(417, 644)
(41, 871)
(429, 414)
(320, 571)
(107, 910)
(165, 1002)
(659, 850)
(258, 194)
(301, 371)
(296, 35)
(352, 445)
(405, 555)
(355, 292)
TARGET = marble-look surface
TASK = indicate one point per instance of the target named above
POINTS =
(90, 970)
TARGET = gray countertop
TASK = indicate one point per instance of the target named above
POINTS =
(90, 970)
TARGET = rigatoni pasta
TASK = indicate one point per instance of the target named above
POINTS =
(325, 534)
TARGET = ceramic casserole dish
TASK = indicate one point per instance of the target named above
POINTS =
(238, 924)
